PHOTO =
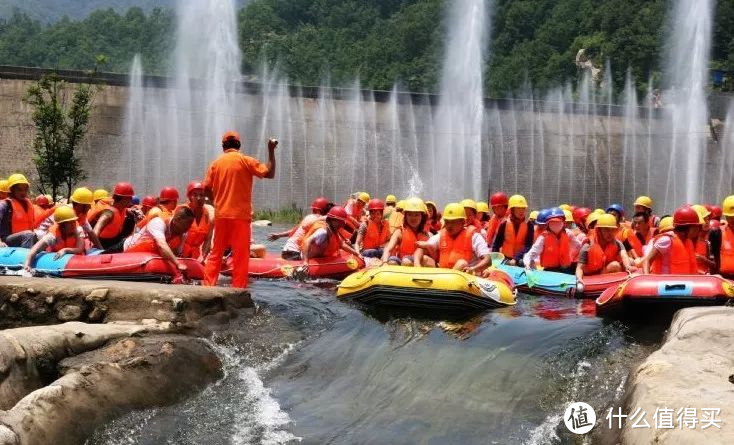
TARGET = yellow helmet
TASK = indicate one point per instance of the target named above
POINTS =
(390, 199)
(606, 221)
(599, 211)
(364, 197)
(517, 201)
(64, 214)
(415, 205)
(4, 186)
(431, 203)
(400, 205)
(469, 204)
(644, 201)
(482, 207)
(100, 194)
(15, 179)
(82, 195)
(533, 215)
(665, 224)
(569, 215)
(453, 212)
(702, 211)
(565, 207)
(727, 208)
(592, 218)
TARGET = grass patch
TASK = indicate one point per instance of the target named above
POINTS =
(290, 215)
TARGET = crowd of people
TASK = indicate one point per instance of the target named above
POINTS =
(216, 217)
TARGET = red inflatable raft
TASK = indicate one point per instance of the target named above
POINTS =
(129, 266)
(594, 285)
(273, 266)
(672, 290)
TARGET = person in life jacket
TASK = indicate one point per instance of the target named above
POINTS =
(499, 203)
(43, 208)
(455, 246)
(674, 252)
(198, 241)
(552, 250)
(17, 215)
(292, 248)
(624, 227)
(4, 189)
(164, 236)
(433, 224)
(725, 254)
(605, 254)
(541, 223)
(483, 216)
(111, 222)
(81, 201)
(400, 250)
(665, 226)
(395, 220)
(470, 209)
(708, 241)
(167, 203)
(390, 201)
(373, 234)
(355, 210)
(580, 215)
(644, 204)
(324, 239)
(641, 234)
(101, 196)
(515, 235)
(64, 237)
(147, 204)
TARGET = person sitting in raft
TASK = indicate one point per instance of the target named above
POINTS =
(470, 209)
(43, 208)
(433, 224)
(355, 209)
(499, 203)
(673, 252)
(199, 237)
(643, 204)
(552, 250)
(373, 234)
(17, 215)
(708, 241)
(4, 189)
(402, 246)
(641, 234)
(725, 254)
(396, 218)
(167, 203)
(81, 201)
(164, 236)
(324, 239)
(112, 223)
(515, 235)
(147, 204)
(64, 237)
(292, 248)
(456, 246)
(390, 201)
(483, 216)
(606, 254)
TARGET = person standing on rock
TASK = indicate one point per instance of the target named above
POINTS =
(229, 184)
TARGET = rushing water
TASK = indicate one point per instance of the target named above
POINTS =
(307, 368)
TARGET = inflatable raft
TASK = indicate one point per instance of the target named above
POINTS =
(118, 266)
(672, 290)
(273, 266)
(427, 288)
(541, 282)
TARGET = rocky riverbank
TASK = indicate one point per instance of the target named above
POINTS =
(79, 353)
(694, 368)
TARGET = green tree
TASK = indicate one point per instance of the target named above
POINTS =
(61, 124)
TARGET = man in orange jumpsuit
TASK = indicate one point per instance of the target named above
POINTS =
(229, 183)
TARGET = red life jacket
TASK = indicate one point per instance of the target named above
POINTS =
(452, 250)
(598, 258)
(376, 237)
(61, 242)
(682, 257)
(23, 217)
(514, 242)
(638, 245)
(556, 251)
(408, 240)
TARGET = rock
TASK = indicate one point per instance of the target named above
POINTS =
(14, 298)
(50, 300)
(97, 295)
(692, 369)
(69, 312)
(262, 223)
(97, 314)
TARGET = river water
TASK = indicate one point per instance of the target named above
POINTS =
(310, 369)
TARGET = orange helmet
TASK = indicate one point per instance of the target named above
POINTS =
(231, 135)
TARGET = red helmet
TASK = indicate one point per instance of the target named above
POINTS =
(149, 201)
(231, 135)
(193, 185)
(375, 204)
(686, 216)
(319, 204)
(580, 214)
(124, 189)
(715, 212)
(168, 194)
(42, 200)
(499, 199)
(337, 212)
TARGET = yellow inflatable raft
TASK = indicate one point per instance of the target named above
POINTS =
(427, 288)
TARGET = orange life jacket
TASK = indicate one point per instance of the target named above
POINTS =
(23, 217)
(376, 237)
(408, 239)
(727, 251)
(682, 257)
(196, 235)
(701, 247)
(492, 227)
(537, 231)
(41, 215)
(148, 243)
(334, 243)
(114, 227)
(556, 251)
(152, 213)
(452, 250)
(61, 242)
(638, 245)
(598, 258)
(514, 242)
